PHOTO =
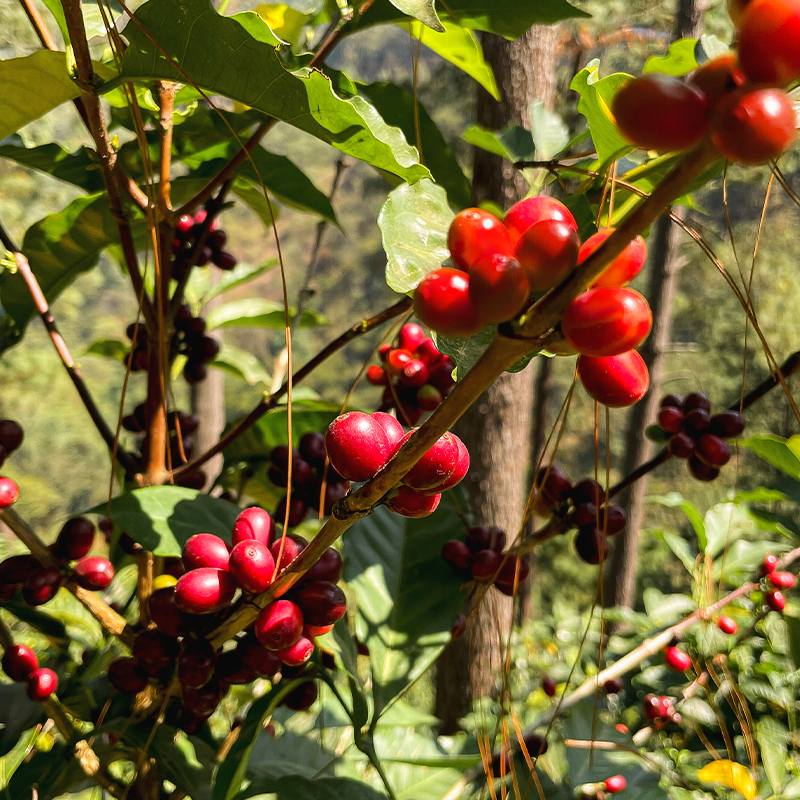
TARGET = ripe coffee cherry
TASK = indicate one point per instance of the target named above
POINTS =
(204, 701)
(702, 471)
(286, 549)
(511, 567)
(613, 686)
(204, 590)
(94, 573)
(166, 614)
(775, 600)
(660, 112)
(436, 466)
(126, 676)
(154, 650)
(357, 445)
(41, 586)
(727, 625)
(196, 663)
(321, 602)
(718, 77)
(297, 654)
(313, 631)
(769, 565)
(462, 467)
(783, 580)
(498, 287)
(673, 400)
(696, 421)
(591, 545)
(328, 568)
(670, 419)
(528, 212)
(415, 373)
(231, 670)
(205, 550)
(396, 360)
(615, 381)
(613, 520)
(252, 565)
(75, 539)
(411, 503)
(411, 337)
(696, 400)
(457, 554)
(9, 492)
(584, 514)
(549, 686)
(607, 321)
(11, 434)
(279, 625)
(768, 36)
(443, 303)
(556, 486)
(753, 126)
(475, 234)
(253, 523)
(265, 663)
(15, 570)
(41, 684)
(377, 376)
(712, 451)
(312, 448)
(727, 424)
(486, 537)
(484, 565)
(548, 252)
(301, 697)
(19, 661)
(298, 510)
(392, 428)
(616, 783)
(588, 490)
(676, 659)
(624, 268)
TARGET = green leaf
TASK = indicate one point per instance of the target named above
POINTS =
(268, 212)
(783, 454)
(406, 602)
(109, 348)
(16, 756)
(655, 433)
(466, 350)
(675, 500)
(724, 523)
(54, 772)
(293, 787)
(595, 104)
(773, 738)
(34, 85)
(680, 547)
(256, 312)
(162, 518)
(548, 130)
(514, 142)
(231, 56)
(59, 248)
(80, 168)
(238, 276)
(679, 60)
(92, 18)
(242, 364)
(461, 47)
(793, 628)
(17, 714)
(422, 10)
(666, 609)
(414, 222)
(742, 559)
(396, 106)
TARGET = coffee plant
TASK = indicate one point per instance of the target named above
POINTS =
(263, 629)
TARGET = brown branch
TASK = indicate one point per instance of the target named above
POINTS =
(166, 94)
(39, 25)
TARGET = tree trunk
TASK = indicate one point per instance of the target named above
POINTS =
(664, 266)
(496, 430)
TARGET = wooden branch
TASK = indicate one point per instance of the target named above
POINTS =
(166, 95)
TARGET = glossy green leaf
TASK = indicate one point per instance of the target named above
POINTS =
(293, 787)
(233, 57)
(162, 518)
(92, 18)
(549, 132)
(422, 10)
(742, 560)
(514, 142)
(15, 757)
(115, 349)
(238, 276)
(666, 609)
(54, 772)
(595, 104)
(773, 738)
(680, 547)
(59, 248)
(253, 196)
(256, 312)
(242, 364)
(80, 168)
(724, 523)
(414, 222)
(406, 601)
(396, 106)
(680, 59)
(783, 454)
(466, 350)
(675, 500)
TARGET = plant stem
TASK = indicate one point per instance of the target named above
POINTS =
(166, 95)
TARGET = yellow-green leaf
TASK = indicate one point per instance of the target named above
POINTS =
(730, 774)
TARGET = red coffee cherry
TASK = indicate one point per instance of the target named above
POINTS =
(165, 613)
(443, 303)
(510, 567)
(313, 631)
(676, 659)
(232, 671)
(396, 360)
(624, 268)
(301, 697)
(76, 538)
(661, 112)
(613, 686)
(783, 580)
(9, 492)
(377, 376)
(19, 661)
(253, 523)
(696, 422)
(486, 537)
(727, 424)
(204, 701)
(528, 212)
(265, 663)
(769, 565)
(498, 287)
(712, 451)
(415, 373)
(462, 467)
(670, 419)
(41, 684)
(768, 35)
(328, 568)
(297, 654)
(672, 400)
(409, 502)
(548, 252)
(411, 337)
(279, 625)
(753, 126)
(727, 625)
(205, 550)
(475, 234)
(484, 565)
(549, 686)
(196, 663)
(616, 783)
(392, 428)
(718, 77)
(252, 565)
(154, 650)
(457, 554)
(297, 511)
(703, 472)
(775, 600)
(591, 545)
(588, 490)
(615, 381)
(321, 602)
(607, 321)
(126, 676)
(15, 570)
(357, 445)
(436, 466)
(42, 586)
(204, 590)
(286, 549)
(94, 573)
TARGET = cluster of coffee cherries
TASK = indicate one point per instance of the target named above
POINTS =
(186, 610)
(416, 376)
(360, 445)
(310, 475)
(21, 665)
(184, 245)
(40, 583)
(500, 266)
(599, 791)
(660, 710)
(698, 436)
(481, 557)
(774, 581)
(583, 506)
(735, 99)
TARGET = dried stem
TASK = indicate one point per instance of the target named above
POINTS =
(166, 94)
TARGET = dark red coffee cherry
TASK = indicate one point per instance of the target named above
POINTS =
(286, 549)
(154, 650)
(484, 565)
(94, 573)
(588, 490)
(548, 252)
(196, 663)
(673, 400)
(613, 520)
(312, 448)
(457, 554)
(230, 669)
(727, 424)
(549, 686)
(165, 613)
(613, 686)
(9, 493)
(719, 77)
(712, 451)
(301, 697)
(19, 661)
(15, 570)
(252, 565)
(11, 434)
(357, 446)
(670, 419)
(298, 510)
(41, 684)
(702, 471)
(696, 421)
(696, 400)
(624, 268)
(475, 234)
(279, 625)
(126, 676)
(298, 653)
(555, 485)
(442, 302)
(204, 590)
(486, 537)
(661, 112)
(528, 212)
(616, 381)
(584, 514)
(436, 466)
(203, 702)
(498, 287)
(768, 34)
(511, 567)
(681, 445)
(409, 502)
(205, 550)
(75, 539)
(265, 663)
(591, 545)
(329, 567)
(41, 586)
(321, 602)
